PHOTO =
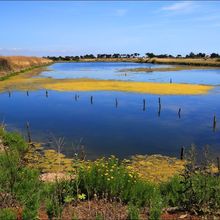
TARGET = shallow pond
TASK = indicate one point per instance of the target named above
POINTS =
(123, 127)
(101, 70)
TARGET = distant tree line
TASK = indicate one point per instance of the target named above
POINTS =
(190, 55)
(134, 55)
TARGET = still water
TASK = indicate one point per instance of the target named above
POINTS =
(123, 129)
(112, 71)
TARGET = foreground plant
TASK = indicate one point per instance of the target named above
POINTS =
(108, 178)
(19, 185)
(198, 188)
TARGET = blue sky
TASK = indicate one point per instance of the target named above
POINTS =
(75, 28)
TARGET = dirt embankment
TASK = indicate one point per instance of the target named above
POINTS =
(13, 64)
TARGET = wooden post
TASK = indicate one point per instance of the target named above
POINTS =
(171, 81)
(218, 164)
(91, 99)
(159, 110)
(27, 93)
(179, 111)
(144, 104)
(214, 123)
(28, 132)
(182, 153)
(116, 103)
(46, 93)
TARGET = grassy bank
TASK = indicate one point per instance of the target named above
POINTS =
(106, 188)
(14, 65)
(206, 62)
(211, 62)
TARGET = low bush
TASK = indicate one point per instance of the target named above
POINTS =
(197, 192)
(109, 178)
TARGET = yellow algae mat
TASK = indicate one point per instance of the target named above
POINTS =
(27, 82)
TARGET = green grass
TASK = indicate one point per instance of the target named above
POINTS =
(195, 190)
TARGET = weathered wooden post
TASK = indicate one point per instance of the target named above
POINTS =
(91, 99)
(116, 103)
(144, 104)
(28, 132)
(218, 164)
(159, 110)
(214, 123)
(179, 111)
(182, 153)
(46, 93)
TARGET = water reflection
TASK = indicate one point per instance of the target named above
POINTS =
(109, 127)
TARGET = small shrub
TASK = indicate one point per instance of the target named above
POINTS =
(170, 191)
(198, 192)
(20, 182)
(7, 214)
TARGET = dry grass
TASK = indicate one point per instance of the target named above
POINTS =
(185, 61)
(106, 210)
(10, 64)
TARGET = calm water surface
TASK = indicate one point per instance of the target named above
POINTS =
(105, 128)
(106, 71)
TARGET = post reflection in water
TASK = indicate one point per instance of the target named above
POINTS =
(124, 132)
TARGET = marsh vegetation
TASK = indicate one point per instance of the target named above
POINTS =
(106, 182)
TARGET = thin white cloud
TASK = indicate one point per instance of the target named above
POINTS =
(121, 12)
(179, 6)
